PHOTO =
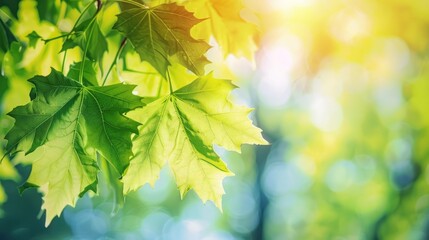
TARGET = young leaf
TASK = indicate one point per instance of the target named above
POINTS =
(33, 37)
(163, 31)
(183, 126)
(70, 121)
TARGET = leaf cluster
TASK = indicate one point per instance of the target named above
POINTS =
(91, 119)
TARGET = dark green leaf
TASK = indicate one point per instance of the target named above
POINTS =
(48, 10)
(163, 31)
(4, 85)
(6, 37)
(33, 37)
(4, 43)
(68, 44)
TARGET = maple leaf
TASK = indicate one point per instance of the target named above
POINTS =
(163, 31)
(88, 36)
(71, 121)
(231, 31)
(182, 127)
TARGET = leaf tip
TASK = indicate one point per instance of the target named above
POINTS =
(183, 191)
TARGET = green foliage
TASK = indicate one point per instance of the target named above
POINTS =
(78, 124)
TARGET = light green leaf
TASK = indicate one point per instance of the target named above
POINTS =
(153, 145)
(71, 121)
(7, 170)
(234, 34)
(63, 170)
(226, 124)
(181, 128)
(163, 31)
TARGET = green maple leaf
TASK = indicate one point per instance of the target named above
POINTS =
(88, 35)
(163, 31)
(182, 127)
(71, 121)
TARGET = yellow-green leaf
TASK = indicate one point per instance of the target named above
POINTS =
(231, 31)
(181, 128)
(63, 171)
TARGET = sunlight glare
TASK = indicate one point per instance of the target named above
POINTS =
(326, 113)
(285, 5)
(347, 25)
(279, 58)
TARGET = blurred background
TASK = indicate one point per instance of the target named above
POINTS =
(341, 91)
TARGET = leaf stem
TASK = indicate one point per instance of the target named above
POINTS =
(64, 61)
(90, 25)
(169, 82)
(58, 37)
(121, 47)
(74, 26)
(85, 52)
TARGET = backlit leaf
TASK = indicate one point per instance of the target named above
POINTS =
(70, 121)
(181, 128)
(231, 31)
(163, 31)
